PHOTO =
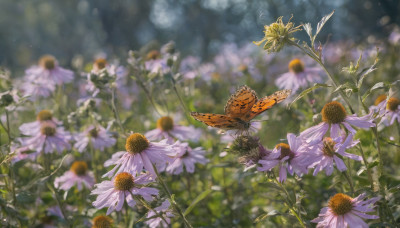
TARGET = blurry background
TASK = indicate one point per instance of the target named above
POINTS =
(85, 28)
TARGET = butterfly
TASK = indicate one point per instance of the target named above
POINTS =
(241, 107)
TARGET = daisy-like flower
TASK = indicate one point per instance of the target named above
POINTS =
(344, 211)
(50, 138)
(189, 66)
(97, 136)
(333, 116)
(113, 194)
(44, 116)
(156, 63)
(162, 210)
(48, 71)
(37, 88)
(78, 175)
(389, 109)
(187, 157)
(324, 154)
(100, 77)
(289, 157)
(167, 129)
(102, 221)
(140, 153)
(298, 76)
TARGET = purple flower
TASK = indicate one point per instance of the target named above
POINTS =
(139, 154)
(333, 116)
(44, 116)
(113, 194)
(298, 76)
(49, 139)
(388, 109)
(344, 211)
(187, 157)
(49, 72)
(37, 88)
(97, 136)
(329, 151)
(166, 129)
(289, 157)
(78, 175)
(157, 221)
(189, 66)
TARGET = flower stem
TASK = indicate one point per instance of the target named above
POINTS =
(146, 205)
(369, 174)
(290, 204)
(115, 110)
(59, 204)
(319, 61)
(348, 178)
(7, 129)
(174, 204)
(140, 83)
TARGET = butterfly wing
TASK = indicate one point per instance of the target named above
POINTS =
(217, 120)
(266, 103)
(240, 102)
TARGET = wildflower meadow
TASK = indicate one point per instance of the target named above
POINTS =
(289, 130)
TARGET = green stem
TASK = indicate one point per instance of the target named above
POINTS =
(146, 205)
(348, 178)
(174, 204)
(140, 83)
(59, 203)
(319, 61)
(291, 203)
(369, 174)
(115, 110)
(9, 152)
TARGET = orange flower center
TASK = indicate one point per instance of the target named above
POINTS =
(44, 115)
(333, 113)
(392, 104)
(124, 181)
(165, 123)
(48, 62)
(328, 146)
(136, 143)
(296, 66)
(340, 204)
(152, 55)
(379, 99)
(285, 150)
(79, 168)
(102, 221)
(48, 130)
(99, 64)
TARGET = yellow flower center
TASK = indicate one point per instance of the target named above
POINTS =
(152, 55)
(94, 133)
(48, 130)
(392, 104)
(379, 99)
(79, 168)
(99, 64)
(124, 181)
(285, 150)
(296, 66)
(216, 76)
(136, 143)
(340, 204)
(48, 62)
(243, 68)
(44, 115)
(165, 123)
(333, 113)
(328, 146)
(102, 221)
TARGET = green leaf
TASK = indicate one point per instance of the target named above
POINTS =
(378, 85)
(373, 164)
(308, 29)
(197, 200)
(266, 215)
(305, 92)
(364, 73)
(322, 23)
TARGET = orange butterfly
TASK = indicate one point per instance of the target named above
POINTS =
(241, 107)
